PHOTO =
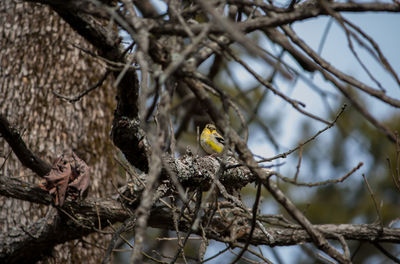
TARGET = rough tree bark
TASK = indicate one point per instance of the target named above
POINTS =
(39, 57)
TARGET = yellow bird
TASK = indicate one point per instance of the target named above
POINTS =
(210, 140)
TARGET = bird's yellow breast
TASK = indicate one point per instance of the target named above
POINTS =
(209, 142)
(218, 147)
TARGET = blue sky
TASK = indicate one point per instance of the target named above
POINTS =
(382, 27)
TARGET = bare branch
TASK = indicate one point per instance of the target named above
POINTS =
(24, 154)
(82, 94)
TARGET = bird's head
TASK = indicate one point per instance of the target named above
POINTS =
(211, 127)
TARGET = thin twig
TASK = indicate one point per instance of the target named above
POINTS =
(253, 224)
(386, 253)
(378, 211)
(285, 154)
(117, 234)
(298, 164)
(196, 212)
(269, 86)
(216, 255)
(349, 34)
(396, 178)
(329, 68)
(314, 184)
(5, 159)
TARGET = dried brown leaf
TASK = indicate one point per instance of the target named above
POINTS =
(57, 180)
(81, 180)
(68, 176)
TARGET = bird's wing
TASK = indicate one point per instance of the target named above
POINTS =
(219, 139)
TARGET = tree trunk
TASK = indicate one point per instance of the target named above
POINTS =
(38, 57)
